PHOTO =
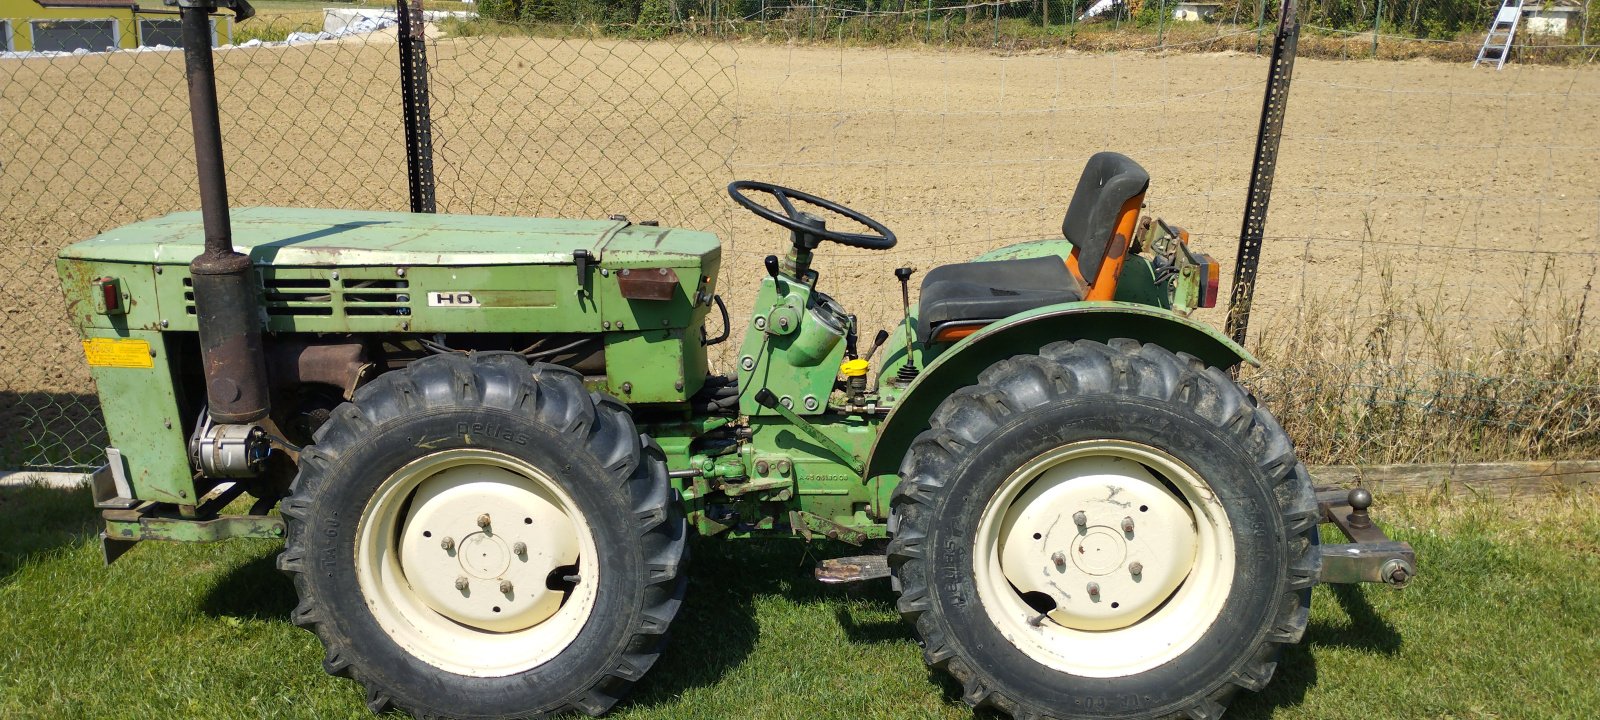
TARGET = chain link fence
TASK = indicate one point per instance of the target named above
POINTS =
(1425, 271)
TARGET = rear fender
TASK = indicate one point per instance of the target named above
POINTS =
(1027, 333)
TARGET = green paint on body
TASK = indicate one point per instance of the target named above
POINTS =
(813, 468)
(306, 237)
(381, 272)
(142, 409)
(793, 346)
(1028, 332)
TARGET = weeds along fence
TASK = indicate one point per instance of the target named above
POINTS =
(1426, 272)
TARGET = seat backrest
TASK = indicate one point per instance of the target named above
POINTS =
(1110, 182)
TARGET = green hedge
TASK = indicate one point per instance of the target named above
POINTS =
(1440, 19)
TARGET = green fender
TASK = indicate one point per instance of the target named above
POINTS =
(1026, 333)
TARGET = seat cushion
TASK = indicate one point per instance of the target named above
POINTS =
(982, 291)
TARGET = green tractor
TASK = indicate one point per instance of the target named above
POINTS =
(489, 440)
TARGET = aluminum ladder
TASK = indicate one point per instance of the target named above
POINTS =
(1497, 43)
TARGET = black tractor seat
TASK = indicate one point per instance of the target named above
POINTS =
(979, 292)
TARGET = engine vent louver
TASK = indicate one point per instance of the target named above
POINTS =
(321, 297)
(376, 297)
(297, 296)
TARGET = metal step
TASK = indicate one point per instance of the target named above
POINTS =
(860, 568)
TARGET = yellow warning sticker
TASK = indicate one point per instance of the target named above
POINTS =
(112, 352)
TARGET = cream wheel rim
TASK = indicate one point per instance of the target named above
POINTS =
(476, 562)
(1104, 558)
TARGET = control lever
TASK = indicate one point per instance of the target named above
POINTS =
(581, 258)
(765, 398)
(772, 265)
(908, 371)
(877, 342)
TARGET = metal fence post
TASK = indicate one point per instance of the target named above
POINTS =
(1273, 105)
(417, 109)
(1161, 24)
(1377, 20)
(1261, 22)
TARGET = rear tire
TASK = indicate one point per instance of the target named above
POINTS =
(1179, 583)
(562, 569)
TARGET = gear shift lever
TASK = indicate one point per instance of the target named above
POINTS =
(908, 371)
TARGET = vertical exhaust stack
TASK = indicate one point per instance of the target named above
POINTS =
(226, 306)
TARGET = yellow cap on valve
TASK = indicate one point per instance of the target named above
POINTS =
(853, 368)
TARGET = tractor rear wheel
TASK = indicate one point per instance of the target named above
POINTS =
(1104, 531)
(480, 537)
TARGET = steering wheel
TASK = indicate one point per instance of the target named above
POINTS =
(809, 229)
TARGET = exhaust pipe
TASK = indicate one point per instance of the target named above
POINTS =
(225, 287)
(224, 280)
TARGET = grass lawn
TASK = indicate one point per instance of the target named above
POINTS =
(1503, 622)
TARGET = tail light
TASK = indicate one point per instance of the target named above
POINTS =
(1209, 272)
(108, 298)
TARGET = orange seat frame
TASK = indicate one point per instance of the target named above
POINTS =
(1104, 285)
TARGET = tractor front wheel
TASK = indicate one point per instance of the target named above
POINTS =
(1104, 531)
(481, 537)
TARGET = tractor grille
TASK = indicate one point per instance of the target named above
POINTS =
(324, 297)
(297, 296)
(376, 297)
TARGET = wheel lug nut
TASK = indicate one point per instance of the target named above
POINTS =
(1080, 519)
(483, 521)
(1058, 557)
(461, 583)
(1137, 568)
(448, 544)
(1094, 590)
(520, 548)
(505, 587)
(1127, 524)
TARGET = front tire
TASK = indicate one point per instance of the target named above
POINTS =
(477, 537)
(1104, 531)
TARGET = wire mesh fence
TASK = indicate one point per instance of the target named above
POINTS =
(1427, 261)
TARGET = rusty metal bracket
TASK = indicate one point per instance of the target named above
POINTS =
(809, 525)
(756, 486)
(140, 525)
(1370, 556)
(111, 548)
(155, 521)
(294, 361)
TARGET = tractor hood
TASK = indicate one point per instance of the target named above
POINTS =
(303, 237)
(342, 271)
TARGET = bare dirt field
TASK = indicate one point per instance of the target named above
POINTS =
(1458, 186)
